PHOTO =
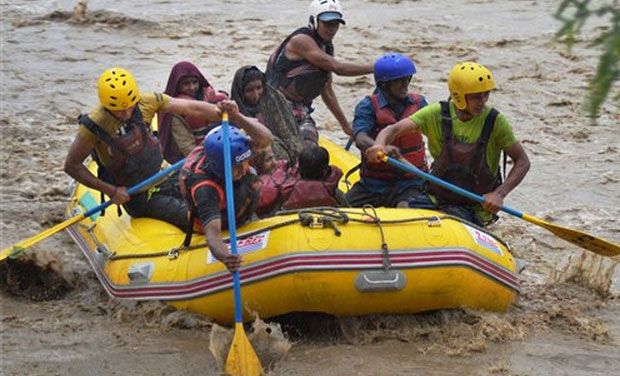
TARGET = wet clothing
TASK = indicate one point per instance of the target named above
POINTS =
(274, 112)
(300, 81)
(305, 193)
(285, 189)
(500, 137)
(271, 197)
(128, 153)
(429, 120)
(175, 132)
(411, 145)
(381, 184)
(464, 164)
(149, 104)
(182, 137)
(305, 122)
(380, 194)
(206, 196)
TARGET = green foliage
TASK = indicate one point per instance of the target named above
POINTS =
(573, 14)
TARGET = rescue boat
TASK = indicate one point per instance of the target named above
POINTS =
(338, 261)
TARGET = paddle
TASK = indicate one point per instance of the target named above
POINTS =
(242, 359)
(18, 248)
(581, 239)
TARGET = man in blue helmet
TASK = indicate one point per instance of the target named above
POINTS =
(380, 183)
(203, 185)
(301, 67)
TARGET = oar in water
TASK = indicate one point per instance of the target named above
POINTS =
(242, 359)
(579, 238)
(18, 248)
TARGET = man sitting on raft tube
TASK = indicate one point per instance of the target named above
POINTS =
(202, 181)
(465, 138)
(302, 66)
(117, 133)
(382, 184)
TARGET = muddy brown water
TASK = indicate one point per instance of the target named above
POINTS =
(566, 320)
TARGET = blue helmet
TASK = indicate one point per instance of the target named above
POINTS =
(393, 66)
(240, 148)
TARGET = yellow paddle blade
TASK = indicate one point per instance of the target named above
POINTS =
(17, 249)
(242, 359)
(581, 239)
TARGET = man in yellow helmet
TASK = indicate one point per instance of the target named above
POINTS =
(118, 134)
(465, 138)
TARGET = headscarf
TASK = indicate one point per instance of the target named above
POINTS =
(179, 70)
(273, 110)
(242, 78)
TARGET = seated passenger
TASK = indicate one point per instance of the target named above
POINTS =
(202, 181)
(380, 183)
(179, 135)
(118, 135)
(313, 183)
(270, 107)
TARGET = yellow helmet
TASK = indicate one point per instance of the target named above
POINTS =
(117, 89)
(468, 78)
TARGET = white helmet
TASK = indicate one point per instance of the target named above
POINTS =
(331, 10)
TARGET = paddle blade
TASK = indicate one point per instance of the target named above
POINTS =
(242, 359)
(581, 239)
(17, 249)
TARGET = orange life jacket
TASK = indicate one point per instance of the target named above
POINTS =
(411, 145)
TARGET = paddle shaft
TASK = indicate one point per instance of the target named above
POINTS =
(241, 359)
(140, 186)
(579, 238)
(230, 207)
(470, 195)
(18, 247)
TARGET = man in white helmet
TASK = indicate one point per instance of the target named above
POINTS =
(302, 66)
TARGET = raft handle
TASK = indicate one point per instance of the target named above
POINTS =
(434, 221)
(173, 254)
(380, 281)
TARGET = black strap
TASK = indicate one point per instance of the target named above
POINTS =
(349, 173)
(504, 165)
(489, 124)
(446, 122)
(190, 228)
(446, 128)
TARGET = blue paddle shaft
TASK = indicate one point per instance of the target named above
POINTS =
(230, 207)
(139, 187)
(456, 189)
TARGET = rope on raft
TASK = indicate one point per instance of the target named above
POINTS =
(331, 215)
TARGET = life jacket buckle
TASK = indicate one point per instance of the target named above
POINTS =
(434, 221)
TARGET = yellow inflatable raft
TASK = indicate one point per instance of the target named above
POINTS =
(342, 261)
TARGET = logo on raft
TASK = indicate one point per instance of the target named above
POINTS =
(246, 245)
(485, 240)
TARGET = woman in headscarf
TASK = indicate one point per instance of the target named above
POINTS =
(179, 135)
(257, 99)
